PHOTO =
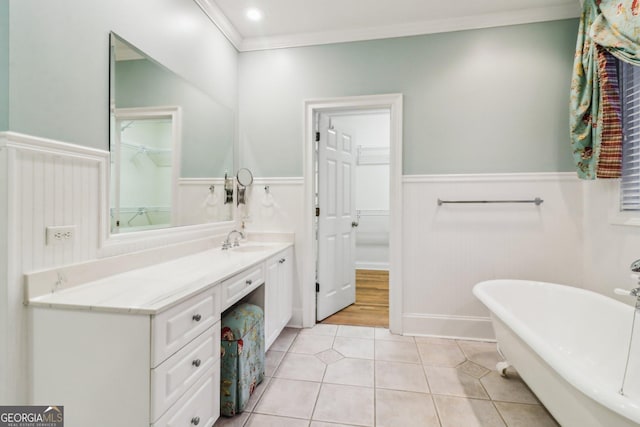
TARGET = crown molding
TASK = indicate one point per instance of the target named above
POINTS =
(215, 14)
(525, 16)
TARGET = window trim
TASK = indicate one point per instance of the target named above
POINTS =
(618, 216)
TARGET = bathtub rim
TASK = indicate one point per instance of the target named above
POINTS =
(610, 399)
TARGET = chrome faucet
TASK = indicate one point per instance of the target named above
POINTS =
(635, 269)
(227, 243)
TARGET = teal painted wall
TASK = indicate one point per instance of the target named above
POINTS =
(59, 56)
(4, 65)
(480, 101)
(207, 126)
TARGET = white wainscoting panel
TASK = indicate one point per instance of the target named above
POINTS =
(198, 204)
(372, 240)
(48, 183)
(609, 248)
(6, 272)
(279, 210)
(450, 248)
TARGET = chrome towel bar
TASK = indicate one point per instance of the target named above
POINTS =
(537, 201)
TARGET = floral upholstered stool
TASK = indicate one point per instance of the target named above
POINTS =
(242, 356)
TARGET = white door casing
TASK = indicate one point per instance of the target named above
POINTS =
(307, 249)
(173, 113)
(336, 242)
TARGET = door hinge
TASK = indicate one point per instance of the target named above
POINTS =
(317, 136)
(317, 287)
(317, 211)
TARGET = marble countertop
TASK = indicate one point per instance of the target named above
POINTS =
(155, 288)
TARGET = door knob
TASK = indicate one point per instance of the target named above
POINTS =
(354, 224)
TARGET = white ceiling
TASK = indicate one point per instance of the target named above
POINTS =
(288, 23)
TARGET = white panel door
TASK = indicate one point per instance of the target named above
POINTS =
(336, 237)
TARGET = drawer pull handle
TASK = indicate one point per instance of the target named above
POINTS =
(196, 363)
(197, 317)
(249, 281)
(195, 421)
(282, 260)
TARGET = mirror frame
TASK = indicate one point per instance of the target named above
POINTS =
(175, 113)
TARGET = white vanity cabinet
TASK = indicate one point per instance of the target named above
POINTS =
(278, 294)
(142, 348)
(119, 369)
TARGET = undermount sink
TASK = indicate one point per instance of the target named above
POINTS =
(250, 248)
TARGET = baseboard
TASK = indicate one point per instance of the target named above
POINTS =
(372, 266)
(459, 327)
(296, 319)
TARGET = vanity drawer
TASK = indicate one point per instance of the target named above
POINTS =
(173, 377)
(200, 406)
(172, 329)
(241, 284)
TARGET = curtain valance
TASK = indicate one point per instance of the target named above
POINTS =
(608, 29)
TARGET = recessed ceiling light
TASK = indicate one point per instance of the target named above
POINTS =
(254, 14)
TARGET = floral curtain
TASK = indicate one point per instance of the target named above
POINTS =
(609, 29)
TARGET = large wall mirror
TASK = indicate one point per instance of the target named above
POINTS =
(171, 146)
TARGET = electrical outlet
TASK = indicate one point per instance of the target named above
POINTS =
(60, 234)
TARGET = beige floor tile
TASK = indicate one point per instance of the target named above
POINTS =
(260, 420)
(473, 369)
(271, 361)
(304, 367)
(345, 404)
(397, 351)
(236, 421)
(320, 329)
(401, 376)
(257, 394)
(358, 372)
(284, 340)
(509, 389)
(482, 353)
(522, 415)
(329, 356)
(434, 340)
(459, 412)
(385, 335)
(289, 398)
(358, 348)
(311, 344)
(356, 332)
(452, 382)
(402, 408)
(323, 424)
(441, 354)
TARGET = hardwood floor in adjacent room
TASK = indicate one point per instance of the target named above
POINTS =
(372, 301)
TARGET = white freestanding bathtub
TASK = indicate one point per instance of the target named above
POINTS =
(570, 346)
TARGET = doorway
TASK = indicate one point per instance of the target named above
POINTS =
(352, 222)
(145, 167)
(309, 251)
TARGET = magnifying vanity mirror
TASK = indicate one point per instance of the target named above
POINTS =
(171, 145)
(244, 177)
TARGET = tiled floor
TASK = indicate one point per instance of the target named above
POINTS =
(332, 376)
